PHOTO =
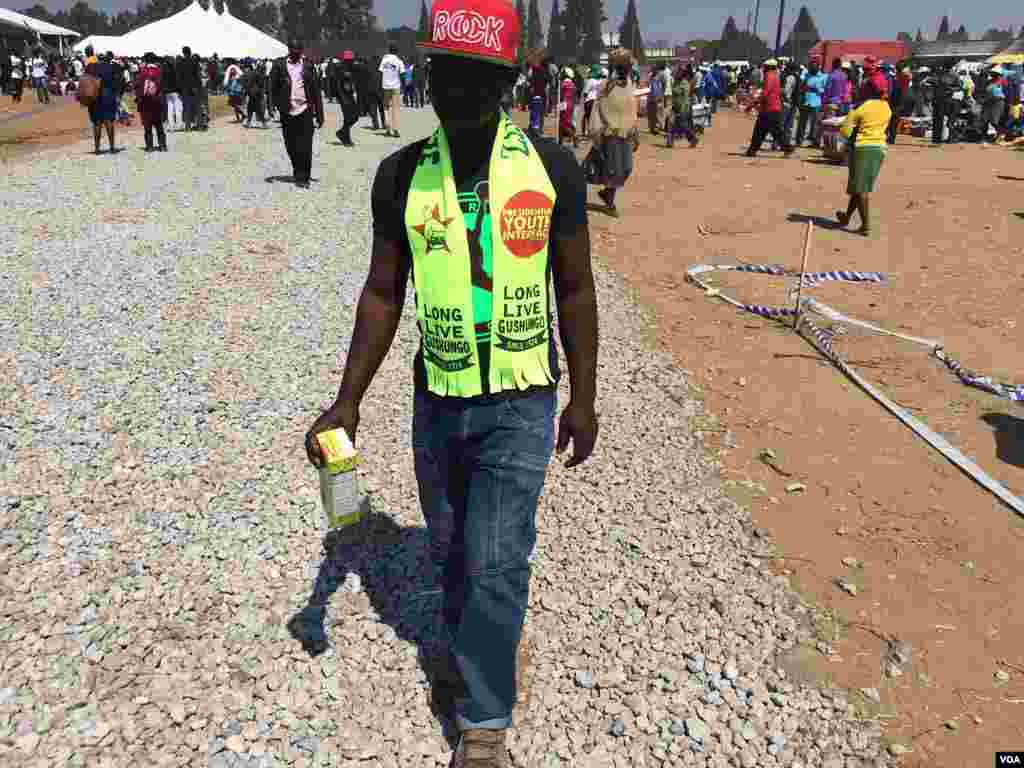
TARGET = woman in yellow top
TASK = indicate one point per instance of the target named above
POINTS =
(864, 128)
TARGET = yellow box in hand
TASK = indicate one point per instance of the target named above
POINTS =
(339, 492)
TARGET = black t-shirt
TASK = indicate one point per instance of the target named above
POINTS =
(391, 191)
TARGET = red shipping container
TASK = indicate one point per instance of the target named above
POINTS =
(890, 51)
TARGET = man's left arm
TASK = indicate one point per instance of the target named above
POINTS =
(577, 309)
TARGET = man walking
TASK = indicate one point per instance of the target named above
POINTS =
(295, 88)
(345, 87)
(485, 377)
(769, 115)
(391, 68)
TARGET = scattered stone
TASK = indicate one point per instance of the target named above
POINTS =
(584, 679)
(852, 562)
(952, 725)
(676, 728)
(795, 488)
(617, 728)
(847, 587)
(896, 750)
(1001, 676)
(696, 729)
(871, 694)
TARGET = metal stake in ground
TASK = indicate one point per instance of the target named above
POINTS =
(803, 271)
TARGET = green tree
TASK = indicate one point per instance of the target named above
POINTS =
(267, 18)
(591, 40)
(534, 29)
(572, 23)
(291, 18)
(629, 32)
(423, 33)
(556, 41)
(803, 36)
(521, 14)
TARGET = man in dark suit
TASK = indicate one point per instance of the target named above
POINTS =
(296, 92)
(187, 71)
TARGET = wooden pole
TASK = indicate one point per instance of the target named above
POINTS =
(803, 271)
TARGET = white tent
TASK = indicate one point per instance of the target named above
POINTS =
(100, 44)
(260, 45)
(205, 32)
(22, 22)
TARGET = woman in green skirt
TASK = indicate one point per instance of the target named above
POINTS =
(864, 128)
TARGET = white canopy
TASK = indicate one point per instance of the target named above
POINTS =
(20, 21)
(100, 44)
(205, 32)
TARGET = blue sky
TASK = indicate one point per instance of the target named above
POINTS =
(678, 21)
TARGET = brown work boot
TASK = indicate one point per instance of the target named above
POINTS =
(481, 749)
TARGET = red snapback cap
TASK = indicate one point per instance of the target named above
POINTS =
(485, 30)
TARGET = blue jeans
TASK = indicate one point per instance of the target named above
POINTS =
(480, 467)
(537, 115)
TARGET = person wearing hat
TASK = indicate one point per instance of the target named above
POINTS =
(345, 87)
(615, 137)
(148, 103)
(994, 106)
(873, 72)
(769, 115)
(566, 107)
(483, 218)
(296, 92)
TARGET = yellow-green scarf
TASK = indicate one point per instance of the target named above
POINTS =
(521, 199)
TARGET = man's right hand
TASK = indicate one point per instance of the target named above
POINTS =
(342, 415)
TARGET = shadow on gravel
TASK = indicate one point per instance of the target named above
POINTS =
(390, 563)
(1019, 214)
(1009, 437)
(819, 221)
(282, 179)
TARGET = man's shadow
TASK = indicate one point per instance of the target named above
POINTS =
(1009, 437)
(391, 564)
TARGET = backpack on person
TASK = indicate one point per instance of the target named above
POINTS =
(88, 90)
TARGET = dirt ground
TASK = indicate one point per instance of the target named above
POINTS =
(940, 563)
(938, 555)
(29, 126)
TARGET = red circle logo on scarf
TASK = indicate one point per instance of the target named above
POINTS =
(526, 223)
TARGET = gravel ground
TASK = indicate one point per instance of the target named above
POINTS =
(173, 323)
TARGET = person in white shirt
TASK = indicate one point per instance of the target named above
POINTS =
(39, 79)
(79, 66)
(590, 91)
(391, 68)
(17, 77)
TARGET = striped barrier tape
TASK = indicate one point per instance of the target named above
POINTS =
(822, 339)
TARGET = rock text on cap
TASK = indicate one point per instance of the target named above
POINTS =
(468, 27)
